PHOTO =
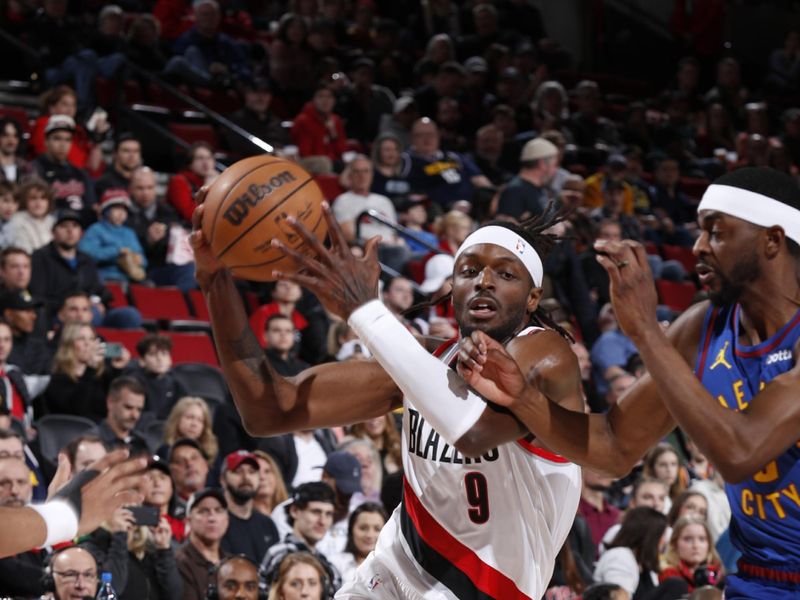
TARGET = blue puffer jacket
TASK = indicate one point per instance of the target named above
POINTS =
(103, 241)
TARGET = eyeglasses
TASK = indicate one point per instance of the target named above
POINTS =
(72, 576)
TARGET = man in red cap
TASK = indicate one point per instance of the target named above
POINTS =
(249, 532)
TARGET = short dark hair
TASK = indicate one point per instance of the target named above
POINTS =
(601, 591)
(126, 136)
(126, 383)
(7, 434)
(73, 294)
(71, 449)
(6, 187)
(8, 252)
(304, 494)
(277, 318)
(5, 121)
(153, 340)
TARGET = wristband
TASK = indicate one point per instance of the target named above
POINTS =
(443, 398)
(60, 519)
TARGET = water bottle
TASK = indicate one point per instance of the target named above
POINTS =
(106, 592)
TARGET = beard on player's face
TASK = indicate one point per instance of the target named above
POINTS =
(732, 285)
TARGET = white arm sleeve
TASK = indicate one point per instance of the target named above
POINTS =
(443, 398)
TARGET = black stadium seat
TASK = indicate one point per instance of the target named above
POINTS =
(56, 431)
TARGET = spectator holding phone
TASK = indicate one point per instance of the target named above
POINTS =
(160, 494)
(80, 374)
(135, 547)
(124, 403)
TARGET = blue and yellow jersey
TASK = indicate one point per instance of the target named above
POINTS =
(765, 520)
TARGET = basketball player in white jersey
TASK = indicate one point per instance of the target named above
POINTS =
(485, 509)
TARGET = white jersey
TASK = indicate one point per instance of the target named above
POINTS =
(486, 528)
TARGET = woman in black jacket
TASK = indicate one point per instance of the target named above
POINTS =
(80, 380)
(140, 559)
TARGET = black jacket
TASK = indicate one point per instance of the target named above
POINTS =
(71, 187)
(31, 354)
(155, 577)
(281, 448)
(161, 393)
(156, 252)
(52, 278)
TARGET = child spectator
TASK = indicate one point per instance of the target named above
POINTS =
(70, 185)
(162, 389)
(82, 153)
(114, 246)
(32, 226)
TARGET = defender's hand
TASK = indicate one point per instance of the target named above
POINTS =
(633, 291)
(341, 281)
(490, 370)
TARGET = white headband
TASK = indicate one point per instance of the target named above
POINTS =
(752, 207)
(505, 238)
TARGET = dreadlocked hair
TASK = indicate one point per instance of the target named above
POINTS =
(535, 231)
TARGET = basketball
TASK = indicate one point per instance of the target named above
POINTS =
(246, 208)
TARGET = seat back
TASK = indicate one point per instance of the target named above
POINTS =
(127, 337)
(160, 303)
(204, 381)
(192, 348)
(56, 431)
(676, 294)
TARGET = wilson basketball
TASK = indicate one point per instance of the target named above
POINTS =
(247, 207)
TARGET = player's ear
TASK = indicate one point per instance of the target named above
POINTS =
(534, 297)
(775, 237)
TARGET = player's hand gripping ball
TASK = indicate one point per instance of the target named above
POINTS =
(247, 206)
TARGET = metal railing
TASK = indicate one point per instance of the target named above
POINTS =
(400, 229)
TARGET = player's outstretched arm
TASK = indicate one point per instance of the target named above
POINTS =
(322, 396)
(738, 444)
(543, 398)
(76, 508)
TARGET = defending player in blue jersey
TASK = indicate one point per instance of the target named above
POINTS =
(727, 371)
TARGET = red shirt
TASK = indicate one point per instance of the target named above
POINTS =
(312, 137)
(180, 192)
(259, 318)
(599, 521)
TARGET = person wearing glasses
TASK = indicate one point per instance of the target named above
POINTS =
(74, 573)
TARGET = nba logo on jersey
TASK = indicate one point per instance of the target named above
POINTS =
(374, 582)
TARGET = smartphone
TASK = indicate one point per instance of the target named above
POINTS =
(113, 350)
(145, 515)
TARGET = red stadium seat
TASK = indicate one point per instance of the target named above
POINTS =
(118, 296)
(195, 132)
(198, 302)
(160, 303)
(20, 115)
(127, 337)
(329, 184)
(681, 254)
(192, 348)
(694, 187)
(676, 294)
(651, 248)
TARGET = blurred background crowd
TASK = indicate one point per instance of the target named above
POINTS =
(419, 121)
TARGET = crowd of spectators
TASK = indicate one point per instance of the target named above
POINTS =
(438, 116)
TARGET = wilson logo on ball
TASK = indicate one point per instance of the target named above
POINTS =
(240, 208)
